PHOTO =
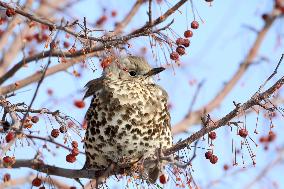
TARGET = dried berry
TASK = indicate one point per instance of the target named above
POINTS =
(36, 182)
(271, 136)
(74, 144)
(180, 50)
(35, 119)
(194, 24)
(70, 158)
(66, 44)
(174, 56)
(55, 133)
(243, 133)
(75, 151)
(6, 177)
(213, 159)
(79, 103)
(62, 129)
(188, 34)
(9, 137)
(208, 154)
(212, 135)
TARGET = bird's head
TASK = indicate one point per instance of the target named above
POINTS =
(130, 67)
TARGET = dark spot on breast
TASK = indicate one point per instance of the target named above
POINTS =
(130, 151)
(119, 122)
(93, 131)
(128, 127)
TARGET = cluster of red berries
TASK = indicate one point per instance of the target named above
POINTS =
(55, 132)
(212, 158)
(269, 138)
(71, 158)
(183, 43)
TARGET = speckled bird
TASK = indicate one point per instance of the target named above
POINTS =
(128, 118)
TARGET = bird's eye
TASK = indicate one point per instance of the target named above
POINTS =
(132, 73)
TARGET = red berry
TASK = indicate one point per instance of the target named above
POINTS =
(49, 92)
(263, 139)
(243, 133)
(114, 13)
(194, 24)
(212, 135)
(70, 158)
(271, 136)
(36, 182)
(106, 62)
(75, 151)
(226, 167)
(72, 187)
(66, 44)
(6, 177)
(213, 159)
(186, 42)
(79, 103)
(55, 133)
(180, 50)
(10, 12)
(7, 160)
(10, 136)
(35, 119)
(74, 144)
(163, 179)
(101, 20)
(179, 41)
(188, 34)
(174, 56)
(208, 154)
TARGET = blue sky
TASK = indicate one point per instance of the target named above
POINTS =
(216, 50)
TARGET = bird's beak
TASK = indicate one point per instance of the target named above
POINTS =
(154, 71)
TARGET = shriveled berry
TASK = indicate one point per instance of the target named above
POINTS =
(180, 50)
(188, 34)
(6, 177)
(243, 133)
(62, 129)
(163, 179)
(74, 144)
(66, 44)
(36, 182)
(212, 135)
(35, 119)
(70, 158)
(55, 133)
(174, 56)
(271, 136)
(208, 154)
(79, 103)
(226, 167)
(194, 24)
(75, 151)
(9, 137)
(10, 12)
(213, 159)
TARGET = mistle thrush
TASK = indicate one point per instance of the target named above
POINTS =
(128, 117)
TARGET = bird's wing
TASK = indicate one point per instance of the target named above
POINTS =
(93, 86)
